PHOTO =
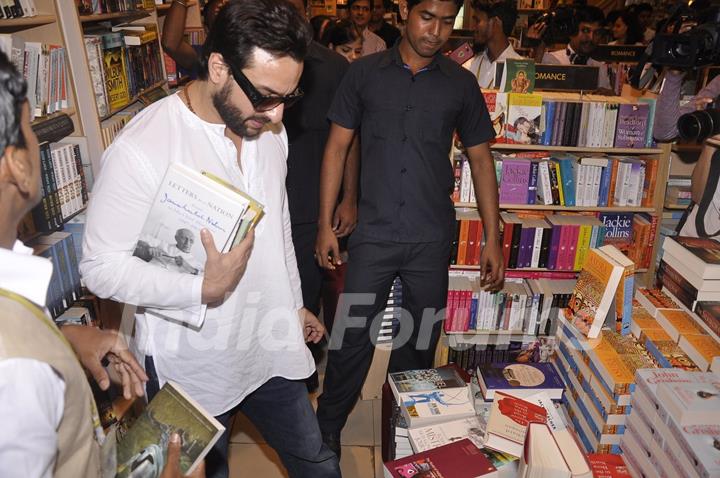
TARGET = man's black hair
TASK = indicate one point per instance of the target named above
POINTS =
(414, 3)
(505, 11)
(351, 2)
(586, 14)
(13, 90)
(642, 7)
(243, 25)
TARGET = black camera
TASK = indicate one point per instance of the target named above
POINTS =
(561, 23)
(700, 125)
(699, 46)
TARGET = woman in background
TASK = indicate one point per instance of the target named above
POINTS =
(342, 37)
(627, 30)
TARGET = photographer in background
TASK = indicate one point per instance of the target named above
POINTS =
(586, 21)
(667, 112)
(493, 25)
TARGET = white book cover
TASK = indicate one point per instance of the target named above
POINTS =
(433, 436)
(187, 202)
(691, 403)
(597, 174)
(545, 187)
(425, 408)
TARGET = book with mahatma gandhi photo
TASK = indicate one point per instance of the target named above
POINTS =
(142, 450)
(186, 202)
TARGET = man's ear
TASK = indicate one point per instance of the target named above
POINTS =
(218, 70)
(15, 168)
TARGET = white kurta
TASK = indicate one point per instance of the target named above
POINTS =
(256, 333)
(484, 69)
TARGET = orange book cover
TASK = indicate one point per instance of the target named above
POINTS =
(463, 242)
(592, 297)
(705, 345)
(613, 179)
(651, 168)
(475, 259)
(680, 321)
(605, 465)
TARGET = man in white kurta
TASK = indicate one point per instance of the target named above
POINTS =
(247, 352)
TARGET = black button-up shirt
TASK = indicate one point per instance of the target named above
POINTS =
(307, 129)
(407, 123)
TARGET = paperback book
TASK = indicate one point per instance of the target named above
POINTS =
(520, 380)
(142, 451)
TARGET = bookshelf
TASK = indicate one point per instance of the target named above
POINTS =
(661, 154)
(74, 27)
(14, 24)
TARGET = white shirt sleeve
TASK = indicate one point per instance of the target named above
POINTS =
(32, 400)
(120, 201)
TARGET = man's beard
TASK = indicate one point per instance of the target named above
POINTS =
(232, 116)
(478, 47)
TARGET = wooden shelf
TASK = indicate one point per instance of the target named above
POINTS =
(163, 9)
(676, 207)
(574, 149)
(102, 17)
(133, 100)
(26, 22)
(42, 119)
(542, 207)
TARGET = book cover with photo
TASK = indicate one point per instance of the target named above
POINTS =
(460, 459)
(186, 202)
(523, 120)
(142, 451)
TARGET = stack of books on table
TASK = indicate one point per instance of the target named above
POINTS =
(693, 333)
(436, 428)
(674, 425)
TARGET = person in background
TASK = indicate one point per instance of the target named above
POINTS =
(493, 25)
(234, 336)
(307, 128)
(50, 426)
(667, 112)
(379, 26)
(319, 23)
(407, 102)
(173, 33)
(644, 12)
(589, 20)
(360, 17)
(627, 30)
(342, 37)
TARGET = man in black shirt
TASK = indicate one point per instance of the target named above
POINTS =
(380, 27)
(407, 101)
(307, 129)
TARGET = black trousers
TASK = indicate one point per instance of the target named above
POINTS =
(373, 265)
(310, 272)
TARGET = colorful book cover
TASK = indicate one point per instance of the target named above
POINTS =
(618, 228)
(631, 129)
(709, 313)
(533, 183)
(460, 459)
(116, 80)
(701, 349)
(508, 422)
(515, 181)
(523, 123)
(497, 105)
(677, 323)
(704, 251)
(518, 76)
(606, 465)
(520, 380)
(425, 380)
(144, 446)
(624, 296)
(594, 293)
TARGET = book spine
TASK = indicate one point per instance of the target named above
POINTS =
(554, 247)
(507, 242)
(710, 320)
(515, 247)
(532, 185)
(545, 248)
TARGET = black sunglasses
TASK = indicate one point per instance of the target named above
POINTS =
(263, 102)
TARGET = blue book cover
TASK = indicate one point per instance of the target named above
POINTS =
(605, 185)
(568, 179)
(618, 227)
(473, 313)
(550, 107)
(532, 184)
(519, 379)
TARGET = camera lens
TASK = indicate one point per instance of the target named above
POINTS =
(699, 125)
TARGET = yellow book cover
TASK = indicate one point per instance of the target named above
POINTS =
(677, 323)
(116, 82)
(613, 372)
(701, 348)
(592, 297)
(583, 245)
(654, 335)
(561, 191)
